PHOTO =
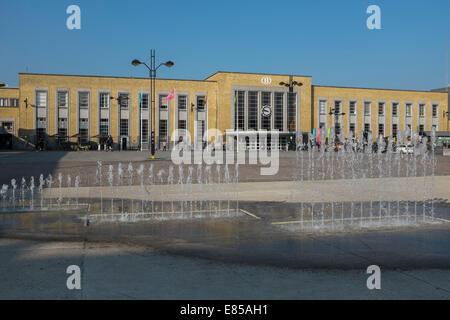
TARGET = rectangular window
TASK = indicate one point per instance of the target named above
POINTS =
(323, 107)
(62, 99)
(421, 110)
(265, 102)
(421, 129)
(14, 102)
(352, 128)
(352, 107)
(42, 123)
(8, 126)
(291, 111)
(278, 111)
(367, 107)
(408, 107)
(252, 110)
(182, 102)
(104, 127)
(104, 100)
(62, 129)
(163, 105)
(144, 128)
(337, 128)
(394, 130)
(200, 133)
(84, 135)
(144, 101)
(182, 124)
(182, 107)
(337, 107)
(83, 100)
(162, 130)
(381, 108)
(123, 127)
(62, 123)
(381, 129)
(3, 102)
(84, 123)
(84, 130)
(123, 100)
(394, 109)
(41, 99)
(239, 110)
(367, 127)
(201, 105)
(434, 110)
(322, 125)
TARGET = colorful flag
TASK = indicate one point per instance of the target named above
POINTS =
(170, 96)
(140, 99)
(206, 98)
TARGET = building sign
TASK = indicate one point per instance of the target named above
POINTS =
(266, 81)
(266, 111)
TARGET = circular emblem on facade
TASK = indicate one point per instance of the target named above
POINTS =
(266, 80)
(266, 111)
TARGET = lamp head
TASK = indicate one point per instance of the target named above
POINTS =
(136, 62)
(169, 64)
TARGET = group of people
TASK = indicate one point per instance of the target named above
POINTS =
(109, 143)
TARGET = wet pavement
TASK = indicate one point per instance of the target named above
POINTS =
(266, 249)
(269, 234)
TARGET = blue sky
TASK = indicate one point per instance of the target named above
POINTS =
(328, 40)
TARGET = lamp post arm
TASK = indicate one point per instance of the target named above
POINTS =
(146, 65)
(159, 66)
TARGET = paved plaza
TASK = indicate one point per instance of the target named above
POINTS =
(260, 252)
(36, 270)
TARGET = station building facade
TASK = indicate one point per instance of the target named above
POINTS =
(58, 109)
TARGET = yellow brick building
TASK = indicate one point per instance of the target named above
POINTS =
(9, 109)
(55, 109)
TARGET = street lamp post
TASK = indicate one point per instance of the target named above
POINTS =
(291, 84)
(152, 69)
(446, 113)
(120, 102)
(333, 111)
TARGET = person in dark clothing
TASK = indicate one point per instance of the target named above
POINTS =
(109, 143)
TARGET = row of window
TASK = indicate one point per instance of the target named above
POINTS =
(395, 108)
(256, 101)
(352, 128)
(9, 102)
(105, 100)
(62, 102)
(421, 129)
